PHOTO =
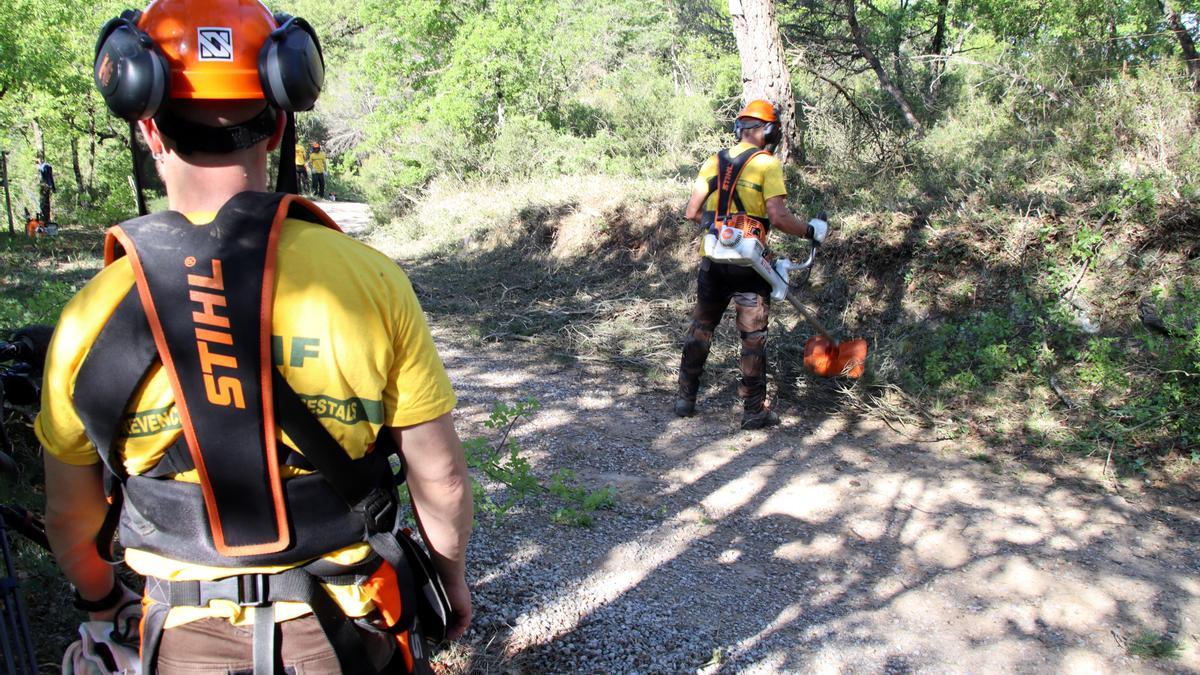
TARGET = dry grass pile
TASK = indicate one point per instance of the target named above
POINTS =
(594, 268)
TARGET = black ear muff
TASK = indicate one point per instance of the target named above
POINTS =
(291, 67)
(738, 127)
(772, 133)
(129, 70)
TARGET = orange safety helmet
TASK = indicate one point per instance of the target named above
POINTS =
(759, 110)
(211, 47)
(208, 50)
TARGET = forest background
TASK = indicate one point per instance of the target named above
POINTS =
(1013, 183)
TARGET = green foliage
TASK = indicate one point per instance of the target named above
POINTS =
(977, 350)
(580, 503)
(508, 90)
(1102, 363)
(502, 462)
(1152, 645)
(39, 276)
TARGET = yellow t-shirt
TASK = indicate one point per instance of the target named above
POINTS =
(301, 156)
(317, 162)
(761, 179)
(348, 335)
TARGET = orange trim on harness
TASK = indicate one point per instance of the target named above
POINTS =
(185, 419)
(384, 590)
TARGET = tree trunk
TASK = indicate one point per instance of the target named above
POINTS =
(91, 175)
(1186, 44)
(78, 171)
(939, 34)
(39, 142)
(860, 41)
(764, 71)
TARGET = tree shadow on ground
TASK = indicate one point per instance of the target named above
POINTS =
(831, 542)
(827, 543)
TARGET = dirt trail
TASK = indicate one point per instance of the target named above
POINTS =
(829, 544)
(354, 218)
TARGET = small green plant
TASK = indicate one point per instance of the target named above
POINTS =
(1102, 363)
(718, 658)
(1152, 645)
(503, 462)
(580, 503)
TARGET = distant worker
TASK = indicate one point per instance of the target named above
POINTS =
(316, 159)
(45, 187)
(301, 168)
(743, 187)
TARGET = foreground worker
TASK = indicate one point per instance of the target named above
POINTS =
(240, 376)
(742, 187)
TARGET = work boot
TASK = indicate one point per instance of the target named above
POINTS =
(759, 420)
(685, 407)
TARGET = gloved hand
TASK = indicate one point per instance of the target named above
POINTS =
(818, 229)
(99, 651)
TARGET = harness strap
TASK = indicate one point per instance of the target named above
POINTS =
(729, 171)
(266, 643)
(378, 507)
(260, 591)
(178, 459)
(120, 357)
(153, 621)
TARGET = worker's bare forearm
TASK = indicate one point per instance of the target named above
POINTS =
(445, 513)
(75, 508)
(783, 220)
(791, 225)
(441, 490)
(695, 206)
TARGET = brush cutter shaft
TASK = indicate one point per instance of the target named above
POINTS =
(812, 320)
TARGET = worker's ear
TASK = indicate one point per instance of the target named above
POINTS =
(280, 124)
(152, 135)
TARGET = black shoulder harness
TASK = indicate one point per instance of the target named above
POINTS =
(729, 170)
(202, 306)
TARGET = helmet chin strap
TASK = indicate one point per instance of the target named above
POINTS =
(286, 180)
(135, 150)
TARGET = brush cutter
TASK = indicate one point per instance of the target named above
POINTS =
(823, 355)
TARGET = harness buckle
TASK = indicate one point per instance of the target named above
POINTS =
(253, 590)
(378, 510)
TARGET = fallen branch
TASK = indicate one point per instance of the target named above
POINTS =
(1062, 396)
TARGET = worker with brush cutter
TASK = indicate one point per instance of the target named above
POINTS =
(742, 188)
(243, 387)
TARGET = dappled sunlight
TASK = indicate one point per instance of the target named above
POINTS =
(821, 546)
(625, 567)
(803, 498)
(1079, 607)
(1016, 576)
(1080, 662)
(943, 547)
(829, 543)
(704, 460)
(737, 493)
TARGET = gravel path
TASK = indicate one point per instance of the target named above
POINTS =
(829, 544)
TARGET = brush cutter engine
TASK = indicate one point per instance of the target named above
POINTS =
(823, 355)
(729, 246)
